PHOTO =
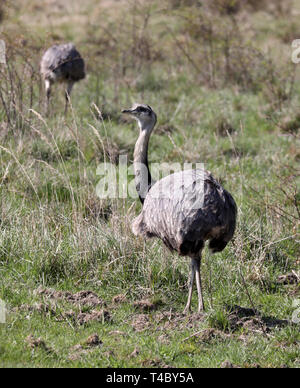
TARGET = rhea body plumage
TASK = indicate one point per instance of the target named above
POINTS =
(183, 209)
(62, 63)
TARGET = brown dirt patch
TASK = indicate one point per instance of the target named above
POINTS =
(121, 298)
(93, 340)
(211, 334)
(82, 298)
(289, 278)
(43, 308)
(228, 365)
(155, 363)
(164, 339)
(167, 320)
(208, 335)
(252, 320)
(77, 351)
(170, 320)
(144, 305)
(79, 318)
(34, 343)
(140, 322)
(84, 318)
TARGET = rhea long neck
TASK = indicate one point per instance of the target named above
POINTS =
(143, 177)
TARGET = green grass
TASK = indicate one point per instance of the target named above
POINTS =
(57, 234)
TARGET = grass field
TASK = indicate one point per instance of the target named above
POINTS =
(80, 289)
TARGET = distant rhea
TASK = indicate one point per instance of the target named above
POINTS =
(61, 63)
(183, 209)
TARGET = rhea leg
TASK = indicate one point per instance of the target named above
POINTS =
(67, 94)
(199, 284)
(195, 272)
(191, 285)
(48, 94)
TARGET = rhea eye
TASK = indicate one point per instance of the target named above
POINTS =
(141, 109)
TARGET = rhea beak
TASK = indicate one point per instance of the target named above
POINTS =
(126, 111)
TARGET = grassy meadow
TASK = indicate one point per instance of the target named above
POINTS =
(80, 289)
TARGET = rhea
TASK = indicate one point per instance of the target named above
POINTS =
(184, 209)
(61, 63)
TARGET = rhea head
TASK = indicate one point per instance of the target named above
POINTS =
(144, 115)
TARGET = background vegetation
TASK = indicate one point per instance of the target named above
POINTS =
(80, 289)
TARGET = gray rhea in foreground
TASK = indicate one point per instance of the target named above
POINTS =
(184, 209)
(61, 63)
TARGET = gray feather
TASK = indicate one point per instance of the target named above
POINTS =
(185, 209)
(62, 63)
